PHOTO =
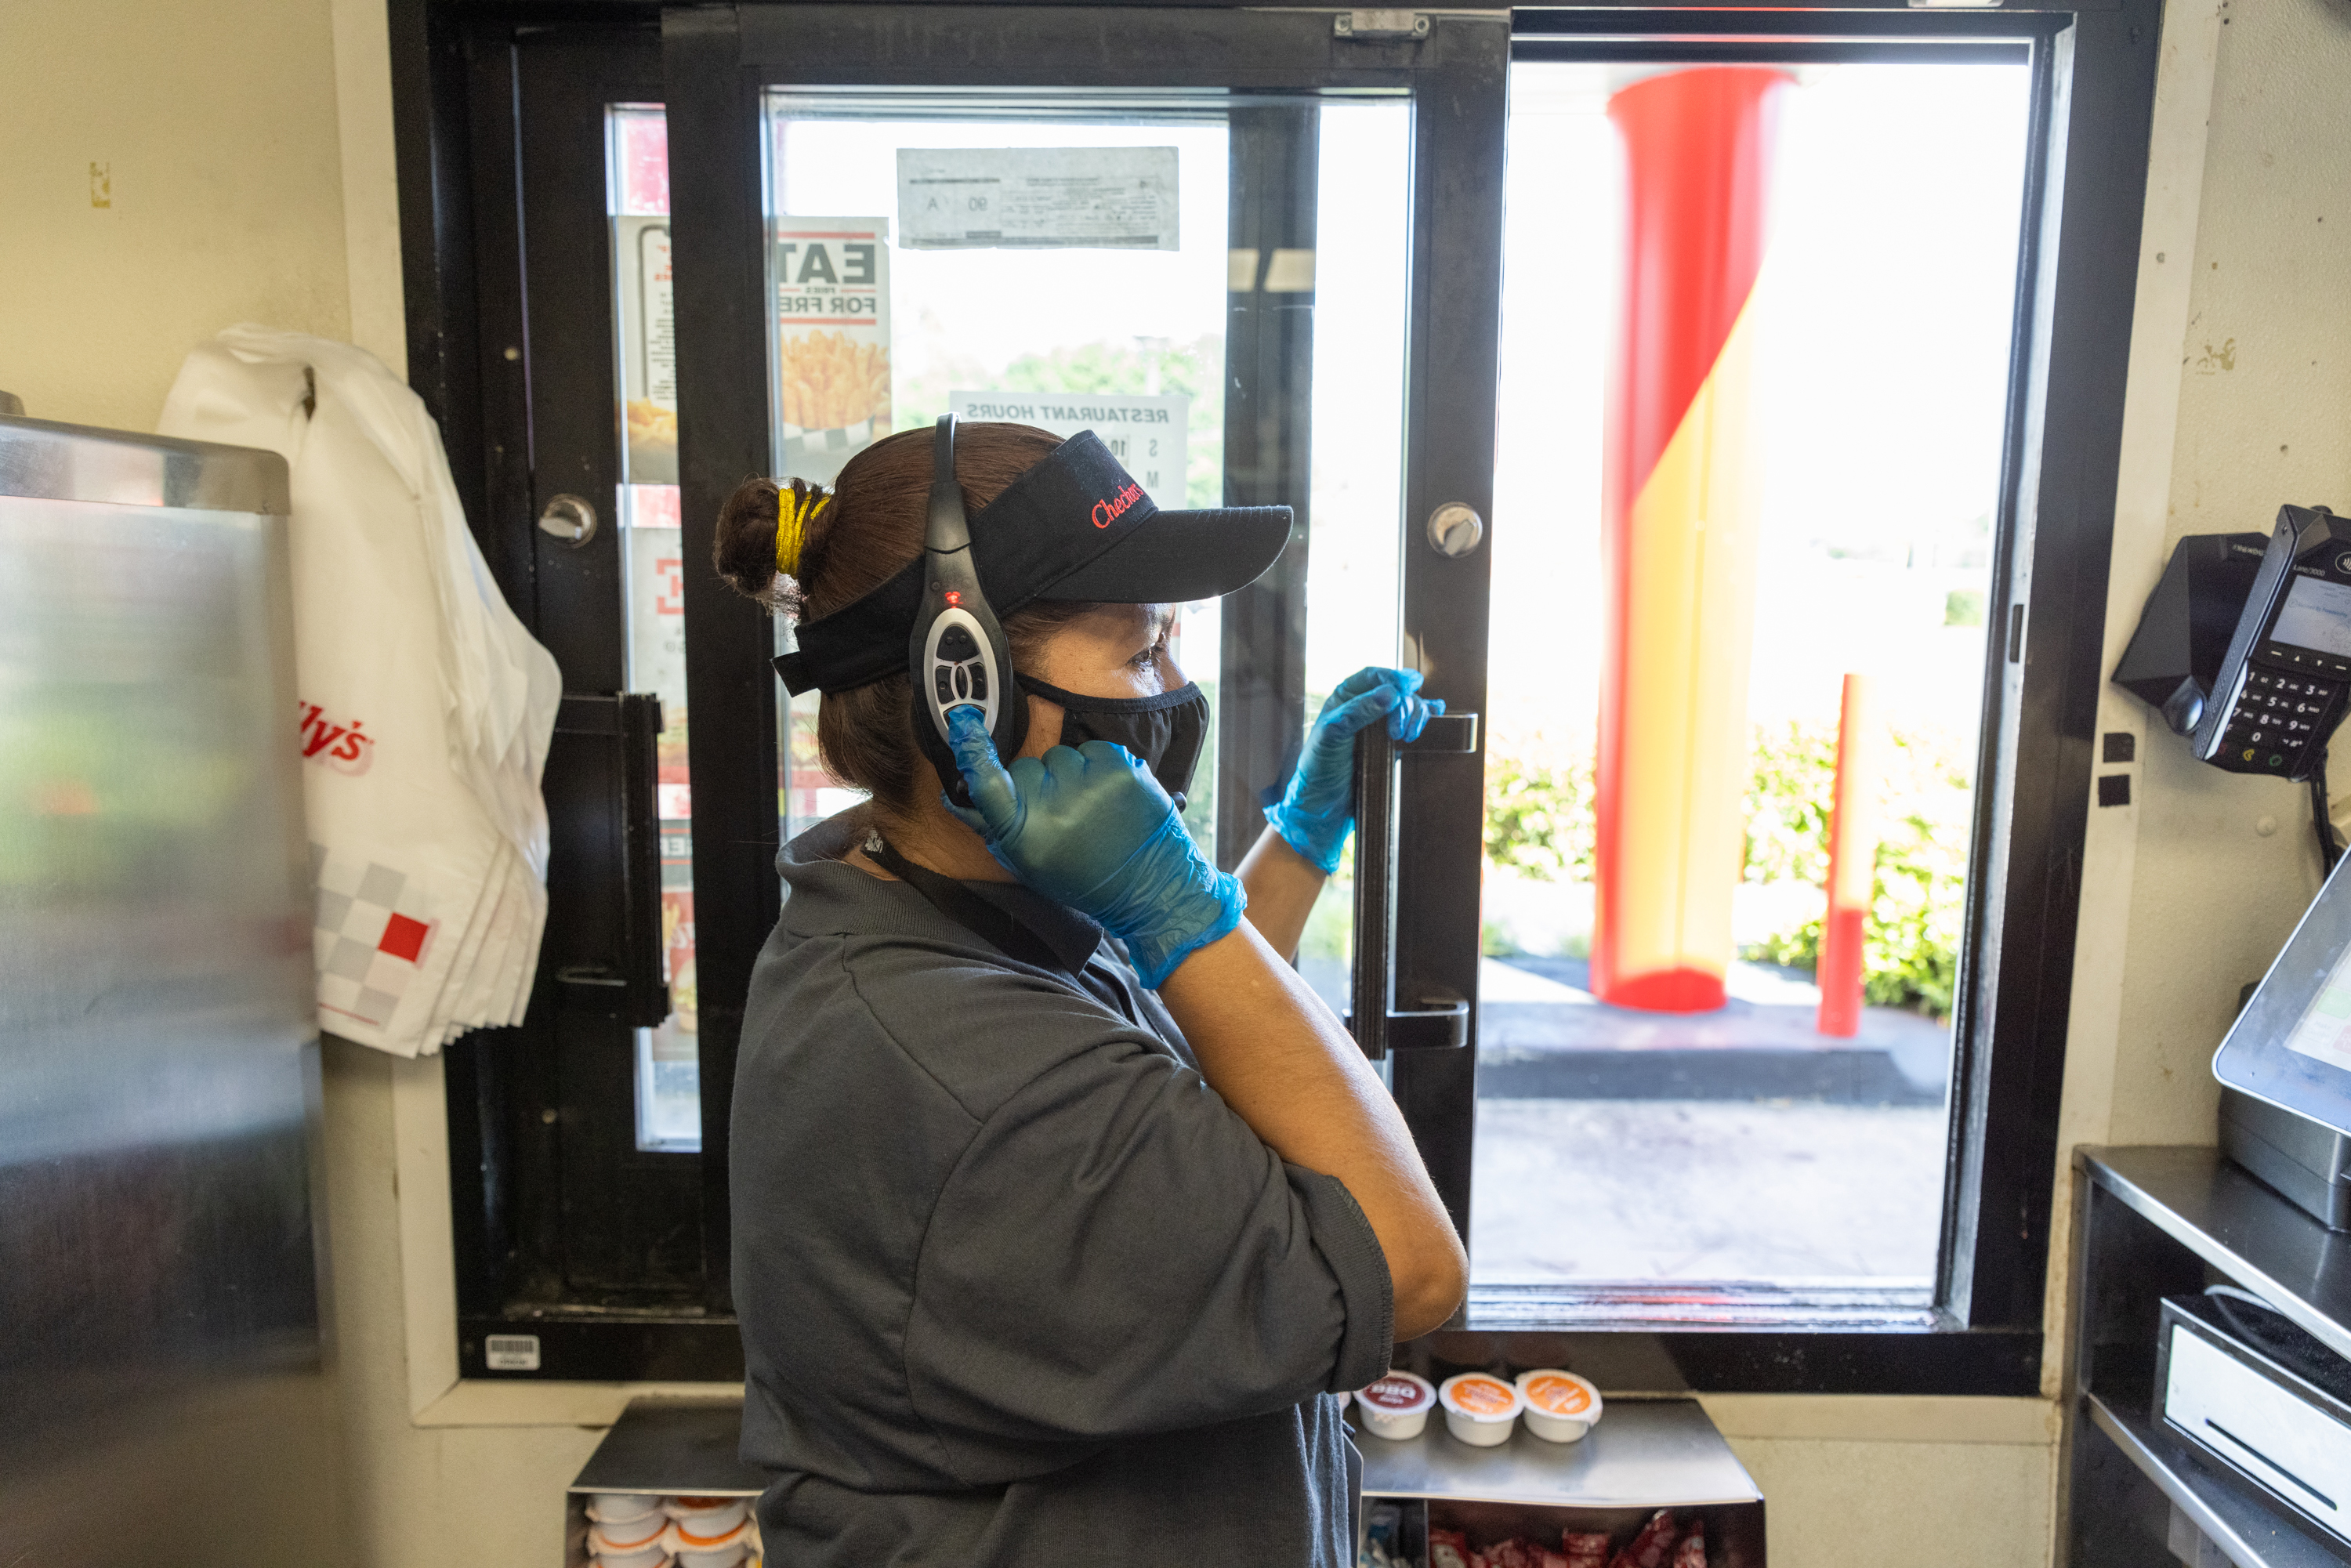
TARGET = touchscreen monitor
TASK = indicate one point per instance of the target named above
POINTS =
(2292, 1044)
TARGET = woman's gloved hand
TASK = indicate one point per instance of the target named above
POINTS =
(1316, 813)
(1091, 828)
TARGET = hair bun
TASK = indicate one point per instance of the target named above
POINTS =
(745, 550)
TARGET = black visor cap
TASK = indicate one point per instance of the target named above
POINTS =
(1181, 557)
(1076, 526)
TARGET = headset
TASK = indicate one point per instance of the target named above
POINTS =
(957, 655)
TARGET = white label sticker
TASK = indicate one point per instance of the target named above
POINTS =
(1146, 434)
(511, 1352)
(1121, 198)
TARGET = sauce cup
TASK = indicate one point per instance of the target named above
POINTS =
(1479, 1409)
(1397, 1406)
(1561, 1408)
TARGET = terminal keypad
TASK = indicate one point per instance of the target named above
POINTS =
(2277, 716)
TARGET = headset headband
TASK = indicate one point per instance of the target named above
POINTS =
(1046, 524)
(957, 655)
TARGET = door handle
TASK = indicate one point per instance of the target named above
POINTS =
(605, 947)
(1431, 1023)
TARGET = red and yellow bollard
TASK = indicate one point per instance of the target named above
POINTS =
(1679, 532)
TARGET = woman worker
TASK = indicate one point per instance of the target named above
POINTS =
(1048, 1248)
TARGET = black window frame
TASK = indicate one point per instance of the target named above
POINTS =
(2093, 91)
(2091, 100)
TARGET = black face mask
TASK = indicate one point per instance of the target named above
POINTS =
(1164, 732)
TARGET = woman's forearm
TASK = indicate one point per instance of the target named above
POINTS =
(1282, 886)
(1271, 1050)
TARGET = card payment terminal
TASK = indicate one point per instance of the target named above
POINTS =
(2281, 684)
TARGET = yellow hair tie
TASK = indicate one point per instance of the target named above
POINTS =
(797, 504)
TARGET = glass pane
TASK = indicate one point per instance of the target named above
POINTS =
(1697, 541)
(1362, 253)
(902, 294)
(1123, 335)
(669, 1092)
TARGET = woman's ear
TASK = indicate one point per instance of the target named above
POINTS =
(1044, 727)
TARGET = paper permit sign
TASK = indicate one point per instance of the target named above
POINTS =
(832, 339)
(966, 198)
(649, 348)
(1146, 434)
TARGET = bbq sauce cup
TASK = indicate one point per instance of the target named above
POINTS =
(1561, 1408)
(1479, 1410)
(1397, 1406)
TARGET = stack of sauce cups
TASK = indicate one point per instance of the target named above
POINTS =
(712, 1531)
(630, 1530)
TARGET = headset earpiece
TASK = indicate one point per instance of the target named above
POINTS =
(957, 655)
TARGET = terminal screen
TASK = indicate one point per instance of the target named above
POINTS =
(2323, 1033)
(2317, 614)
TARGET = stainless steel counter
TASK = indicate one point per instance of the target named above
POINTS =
(1645, 1453)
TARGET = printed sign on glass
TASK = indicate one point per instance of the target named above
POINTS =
(832, 339)
(648, 349)
(958, 198)
(1146, 434)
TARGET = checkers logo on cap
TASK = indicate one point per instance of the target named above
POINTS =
(1108, 512)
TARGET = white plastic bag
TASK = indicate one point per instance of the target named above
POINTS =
(426, 707)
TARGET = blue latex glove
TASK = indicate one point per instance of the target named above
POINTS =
(1091, 828)
(1316, 812)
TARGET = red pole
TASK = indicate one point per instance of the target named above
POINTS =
(1852, 859)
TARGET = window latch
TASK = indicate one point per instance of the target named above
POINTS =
(1387, 24)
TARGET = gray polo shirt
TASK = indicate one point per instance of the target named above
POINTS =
(1016, 1286)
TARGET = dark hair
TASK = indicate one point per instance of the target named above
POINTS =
(873, 528)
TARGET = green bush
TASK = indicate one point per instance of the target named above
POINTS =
(1791, 786)
(1539, 812)
(1539, 825)
(1910, 942)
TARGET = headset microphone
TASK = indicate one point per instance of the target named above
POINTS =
(956, 656)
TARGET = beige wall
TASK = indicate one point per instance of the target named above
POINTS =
(249, 151)
(2265, 418)
(213, 129)
(2240, 400)
(1839, 1504)
(2188, 893)
(419, 1496)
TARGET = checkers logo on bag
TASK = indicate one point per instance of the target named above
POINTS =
(341, 747)
(369, 935)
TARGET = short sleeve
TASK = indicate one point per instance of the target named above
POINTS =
(1117, 1253)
